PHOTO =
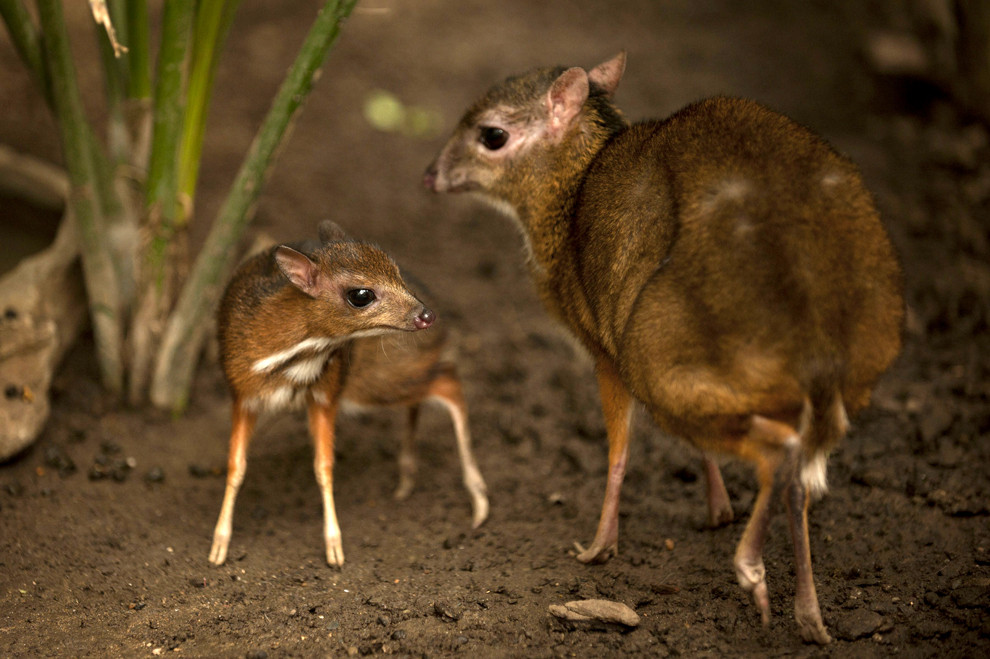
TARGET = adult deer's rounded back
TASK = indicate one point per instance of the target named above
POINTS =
(724, 266)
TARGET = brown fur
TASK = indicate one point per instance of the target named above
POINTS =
(262, 313)
(288, 334)
(725, 264)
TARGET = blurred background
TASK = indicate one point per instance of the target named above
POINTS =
(901, 543)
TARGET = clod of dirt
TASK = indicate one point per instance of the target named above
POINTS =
(601, 610)
(665, 589)
(857, 624)
(199, 471)
(935, 423)
(56, 458)
(454, 541)
(108, 464)
(972, 596)
(447, 610)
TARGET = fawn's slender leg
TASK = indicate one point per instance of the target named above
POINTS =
(447, 389)
(240, 436)
(617, 406)
(806, 610)
(719, 506)
(321, 420)
(407, 456)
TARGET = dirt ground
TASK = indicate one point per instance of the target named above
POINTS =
(107, 521)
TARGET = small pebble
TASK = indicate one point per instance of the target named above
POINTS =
(97, 472)
(57, 459)
(199, 471)
(447, 610)
(109, 448)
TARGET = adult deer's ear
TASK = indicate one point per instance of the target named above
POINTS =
(608, 74)
(565, 99)
(331, 232)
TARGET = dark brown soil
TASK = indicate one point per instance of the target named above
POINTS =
(107, 521)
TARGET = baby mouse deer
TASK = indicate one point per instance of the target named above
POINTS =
(724, 266)
(322, 324)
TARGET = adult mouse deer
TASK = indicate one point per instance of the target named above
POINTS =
(303, 324)
(724, 266)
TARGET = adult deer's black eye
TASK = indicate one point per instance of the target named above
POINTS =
(493, 138)
(360, 297)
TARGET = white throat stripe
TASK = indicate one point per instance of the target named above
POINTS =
(317, 343)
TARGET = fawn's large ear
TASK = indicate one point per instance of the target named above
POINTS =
(298, 269)
(608, 74)
(331, 232)
(565, 99)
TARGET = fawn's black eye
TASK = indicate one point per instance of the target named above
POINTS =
(360, 297)
(493, 138)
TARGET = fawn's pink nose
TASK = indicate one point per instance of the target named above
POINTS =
(424, 319)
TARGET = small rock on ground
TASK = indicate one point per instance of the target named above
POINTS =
(603, 610)
(857, 624)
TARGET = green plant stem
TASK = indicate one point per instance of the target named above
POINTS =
(138, 50)
(159, 250)
(213, 20)
(107, 164)
(184, 334)
(168, 111)
(115, 77)
(27, 42)
(118, 16)
(77, 143)
(138, 107)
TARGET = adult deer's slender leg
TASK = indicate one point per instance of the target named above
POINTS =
(617, 406)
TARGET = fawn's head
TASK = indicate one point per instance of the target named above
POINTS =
(355, 288)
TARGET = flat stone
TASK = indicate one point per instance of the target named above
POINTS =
(601, 610)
